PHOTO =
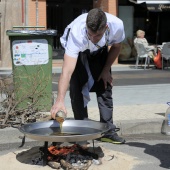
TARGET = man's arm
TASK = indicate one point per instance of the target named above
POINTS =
(67, 70)
(112, 55)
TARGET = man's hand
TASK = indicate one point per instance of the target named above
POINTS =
(57, 107)
(106, 77)
(112, 55)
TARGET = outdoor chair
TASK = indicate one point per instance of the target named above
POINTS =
(142, 53)
(165, 53)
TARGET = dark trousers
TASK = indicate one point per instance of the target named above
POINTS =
(104, 100)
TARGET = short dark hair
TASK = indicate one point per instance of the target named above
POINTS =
(96, 19)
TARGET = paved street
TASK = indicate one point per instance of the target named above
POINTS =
(140, 98)
(125, 76)
(151, 150)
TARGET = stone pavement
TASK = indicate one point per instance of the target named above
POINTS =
(140, 104)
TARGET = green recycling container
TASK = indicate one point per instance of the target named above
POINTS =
(31, 52)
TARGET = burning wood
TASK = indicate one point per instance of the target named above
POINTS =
(61, 151)
(74, 156)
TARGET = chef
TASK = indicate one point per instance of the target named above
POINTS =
(87, 66)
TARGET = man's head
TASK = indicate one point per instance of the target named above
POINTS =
(96, 24)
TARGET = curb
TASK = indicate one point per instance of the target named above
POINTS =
(140, 126)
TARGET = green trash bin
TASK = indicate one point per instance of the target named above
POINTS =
(31, 52)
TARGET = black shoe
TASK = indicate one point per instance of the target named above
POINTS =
(115, 139)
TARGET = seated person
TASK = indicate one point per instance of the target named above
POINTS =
(142, 40)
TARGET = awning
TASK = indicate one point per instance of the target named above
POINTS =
(158, 7)
(154, 5)
(151, 1)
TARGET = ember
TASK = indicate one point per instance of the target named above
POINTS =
(74, 155)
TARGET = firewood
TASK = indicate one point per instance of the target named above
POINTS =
(54, 165)
(66, 164)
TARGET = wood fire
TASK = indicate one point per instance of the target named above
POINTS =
(71, 156)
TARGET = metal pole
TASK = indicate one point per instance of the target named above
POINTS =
(26, 13)
(45, 153)
(36, 13)
(93, 147)
(22, 2)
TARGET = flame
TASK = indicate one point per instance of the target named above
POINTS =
(64, 150)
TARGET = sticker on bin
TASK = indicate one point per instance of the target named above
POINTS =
(30, 52)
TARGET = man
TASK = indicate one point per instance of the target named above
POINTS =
(87, 66)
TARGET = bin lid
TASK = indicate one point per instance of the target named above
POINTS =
(31, 32)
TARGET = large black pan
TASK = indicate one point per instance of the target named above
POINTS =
(72, 130)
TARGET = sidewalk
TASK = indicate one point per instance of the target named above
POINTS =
(137, 108)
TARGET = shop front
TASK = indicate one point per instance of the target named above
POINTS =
(152, 16)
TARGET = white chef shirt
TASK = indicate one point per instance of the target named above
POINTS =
(78, 40)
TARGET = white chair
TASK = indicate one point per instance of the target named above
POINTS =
(165, 53)
(142, 52)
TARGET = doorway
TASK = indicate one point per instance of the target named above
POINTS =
(60, 13)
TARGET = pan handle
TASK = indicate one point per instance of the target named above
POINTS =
(17, 125)
(116, 130)
(103, 133)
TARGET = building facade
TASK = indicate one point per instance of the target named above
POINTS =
(52, 14)
(151, 16)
